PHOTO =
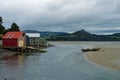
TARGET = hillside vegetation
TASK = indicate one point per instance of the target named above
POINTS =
(83, 35)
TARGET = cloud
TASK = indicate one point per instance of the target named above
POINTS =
(63, 15)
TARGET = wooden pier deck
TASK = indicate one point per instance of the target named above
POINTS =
(18, 50)
(24, 49)
(6, 52)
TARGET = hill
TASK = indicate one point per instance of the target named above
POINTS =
(83, 35)
(80, 35)
(116, 34)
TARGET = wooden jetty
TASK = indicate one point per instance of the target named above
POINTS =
(6, 52)
(41, 45)
(30, 48)
(24, 49)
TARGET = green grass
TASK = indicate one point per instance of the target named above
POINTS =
(0, 44)
(1, 36)
(0, 47)
(41, 50)
(0, 40)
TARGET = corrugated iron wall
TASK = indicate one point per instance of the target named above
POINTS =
(9, 42)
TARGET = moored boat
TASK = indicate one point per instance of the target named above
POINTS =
(92, 49)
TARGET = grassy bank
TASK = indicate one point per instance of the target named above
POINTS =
(0, 44)
(1, 36)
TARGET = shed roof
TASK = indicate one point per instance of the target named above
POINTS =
(14, 35)
(33, 34)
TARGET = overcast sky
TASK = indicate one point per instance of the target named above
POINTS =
(96, 16)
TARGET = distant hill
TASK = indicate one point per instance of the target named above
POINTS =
(80, 35)
(46, 33)
(116, 34)
(83, 35)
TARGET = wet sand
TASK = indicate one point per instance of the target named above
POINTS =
(108, 56)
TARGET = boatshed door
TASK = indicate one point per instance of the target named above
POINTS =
(21, 44)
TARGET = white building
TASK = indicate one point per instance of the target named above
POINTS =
(33, 34)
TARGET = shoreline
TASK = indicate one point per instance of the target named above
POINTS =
(107, 56)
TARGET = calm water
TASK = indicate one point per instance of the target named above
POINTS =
(65, 61)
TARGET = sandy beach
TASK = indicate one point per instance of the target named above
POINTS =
(108, 56)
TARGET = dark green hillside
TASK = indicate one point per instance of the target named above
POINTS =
(83, 35)
(116, 34)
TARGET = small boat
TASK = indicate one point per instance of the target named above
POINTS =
(92, 49)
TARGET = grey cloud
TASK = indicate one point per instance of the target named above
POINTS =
(63, 15)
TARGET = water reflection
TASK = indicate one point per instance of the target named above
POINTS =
(21, 59)
(11, 66)
(62, 62)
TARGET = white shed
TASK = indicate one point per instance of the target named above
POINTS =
(33, 34)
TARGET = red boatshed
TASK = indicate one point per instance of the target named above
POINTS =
(14, 39)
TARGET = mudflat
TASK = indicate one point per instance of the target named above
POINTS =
(108, 56)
